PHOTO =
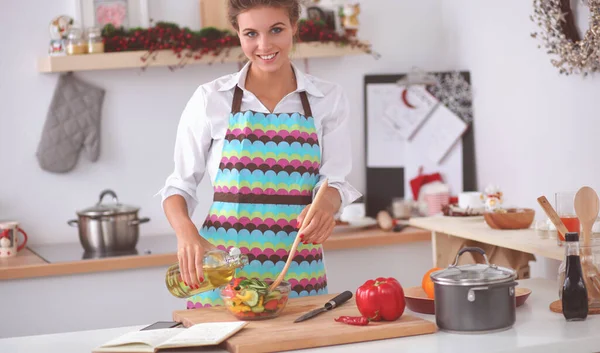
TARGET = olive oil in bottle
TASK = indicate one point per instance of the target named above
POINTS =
(219, 269)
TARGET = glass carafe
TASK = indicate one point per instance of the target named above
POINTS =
(219, 269)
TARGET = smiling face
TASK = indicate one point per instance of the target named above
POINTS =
(266, 36)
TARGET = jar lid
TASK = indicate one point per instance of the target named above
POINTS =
(473, 274)
(94, 32)
(74, 33)
(103, 209)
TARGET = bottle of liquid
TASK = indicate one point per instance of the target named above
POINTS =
(219, 269)
(574, 293)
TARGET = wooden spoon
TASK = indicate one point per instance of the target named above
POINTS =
(552, 215)
(587, 206)
(309, 216)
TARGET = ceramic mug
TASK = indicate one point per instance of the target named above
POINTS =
(9, 238)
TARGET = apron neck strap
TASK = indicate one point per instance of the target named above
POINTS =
(237, 100)
(305, 104)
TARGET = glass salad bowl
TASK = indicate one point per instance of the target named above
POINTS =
(250, 299)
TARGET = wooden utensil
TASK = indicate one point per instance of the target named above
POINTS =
(587, 206)
(556, 306)
(552, 215)
(309, 216)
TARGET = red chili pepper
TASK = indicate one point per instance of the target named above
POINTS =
(353, 320)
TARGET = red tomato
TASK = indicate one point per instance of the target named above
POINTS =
(271, 304)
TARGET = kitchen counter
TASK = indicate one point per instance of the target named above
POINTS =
(69, 258)
(537, 329)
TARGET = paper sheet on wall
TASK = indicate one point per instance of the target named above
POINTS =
(439, 133)
(437, 147)
(391, 122)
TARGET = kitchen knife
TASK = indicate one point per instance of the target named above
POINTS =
(335, 302)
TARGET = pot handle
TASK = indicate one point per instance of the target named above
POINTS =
(73, 223)
(471, 249)
(135, 222)
(108, 192)
(511, 285)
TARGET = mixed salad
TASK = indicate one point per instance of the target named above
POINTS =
(250, 298)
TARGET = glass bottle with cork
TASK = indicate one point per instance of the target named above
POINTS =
(219, 269)
(574, 293)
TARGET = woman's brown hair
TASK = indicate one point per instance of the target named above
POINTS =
(236, 7)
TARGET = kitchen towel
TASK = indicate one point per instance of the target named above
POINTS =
(72, 124)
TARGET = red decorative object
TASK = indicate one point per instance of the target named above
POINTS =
(188, 44)
(422, 179)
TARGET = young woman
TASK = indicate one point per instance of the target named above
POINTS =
(268, 136)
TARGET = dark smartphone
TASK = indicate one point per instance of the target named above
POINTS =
(161, 324)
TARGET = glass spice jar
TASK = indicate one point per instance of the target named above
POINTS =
(95, 43)
(75, 43)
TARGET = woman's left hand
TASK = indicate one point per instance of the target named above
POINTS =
(319, 228)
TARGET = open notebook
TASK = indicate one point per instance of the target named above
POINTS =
(204, 334)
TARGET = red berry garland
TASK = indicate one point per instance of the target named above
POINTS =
(188, 44)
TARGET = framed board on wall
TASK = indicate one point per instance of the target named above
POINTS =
(412, 127)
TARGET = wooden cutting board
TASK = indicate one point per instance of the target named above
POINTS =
(282, 334)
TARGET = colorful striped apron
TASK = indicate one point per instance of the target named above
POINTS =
(269, 167)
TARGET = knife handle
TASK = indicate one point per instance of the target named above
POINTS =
(338, 300)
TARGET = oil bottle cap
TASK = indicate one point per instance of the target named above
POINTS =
(572, 236)
(235, 252)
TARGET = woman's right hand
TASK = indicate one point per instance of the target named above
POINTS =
(190, 244)
(190, 253)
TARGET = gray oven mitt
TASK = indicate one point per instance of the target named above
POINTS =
(72, 123)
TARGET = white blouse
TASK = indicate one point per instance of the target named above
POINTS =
(205, 120)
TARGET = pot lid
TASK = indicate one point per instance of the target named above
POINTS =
(473, 274)
(104, 209)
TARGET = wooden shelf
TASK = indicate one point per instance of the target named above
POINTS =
(133, 59)
(475, 228)
(28, 264)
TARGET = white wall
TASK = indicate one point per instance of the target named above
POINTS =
(142, 109)
(536, 131)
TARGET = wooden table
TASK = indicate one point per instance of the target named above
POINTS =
(28, 264)
(444, 229)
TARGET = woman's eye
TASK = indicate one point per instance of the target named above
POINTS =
(251, 34)
(277, 30)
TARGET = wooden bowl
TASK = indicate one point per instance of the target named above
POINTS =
(418, 301)
(513, 218)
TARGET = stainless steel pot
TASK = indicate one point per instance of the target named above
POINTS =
(475, 297)
(108, 227)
